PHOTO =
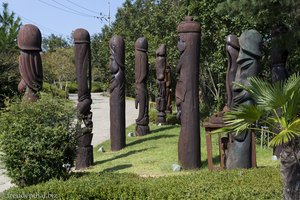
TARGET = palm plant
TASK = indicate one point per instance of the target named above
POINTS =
(277, 106)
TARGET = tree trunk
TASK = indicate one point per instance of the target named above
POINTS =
(290, 169)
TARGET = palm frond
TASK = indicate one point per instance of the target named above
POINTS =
(290, 132)
(240, 118)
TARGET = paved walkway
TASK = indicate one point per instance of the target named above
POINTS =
(100, 109)
(101, 130)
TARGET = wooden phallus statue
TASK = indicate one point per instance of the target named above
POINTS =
(141, 73)
(168, 80)
(239, 153)
(83, 71)
(117, 93)
(30, 62)
(278, 59)
(187, 94)
(161, 84)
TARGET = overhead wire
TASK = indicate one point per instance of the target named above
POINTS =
(82, 7)
(81, 13)
(47, 29)
(59, 8)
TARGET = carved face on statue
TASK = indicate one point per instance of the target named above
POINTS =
(248, 65)
(181, 43)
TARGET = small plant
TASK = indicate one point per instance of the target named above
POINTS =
(37, 139)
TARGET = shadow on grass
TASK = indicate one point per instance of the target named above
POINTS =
(129, 153)
(116, 168)
(163, 128)
(141, 140)
(216, 162)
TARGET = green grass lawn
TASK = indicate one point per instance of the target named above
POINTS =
(154, 154)
(142, 170)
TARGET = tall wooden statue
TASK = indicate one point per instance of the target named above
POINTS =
(83, 71)
(239, 153)
(141, 73)
(232, 50)
(161, 84)
(187, 94)
(30, 62)
(168, 80)
(278, 59)
(117, 93)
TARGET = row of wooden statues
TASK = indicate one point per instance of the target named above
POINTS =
(187, 100)
(243, 62)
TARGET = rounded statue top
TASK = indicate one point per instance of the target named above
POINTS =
(161, 51)
(81, 36)
(141, 44)
(251, 41)
(188, 26)
(233, 41)
(117, 46)
(30, 38)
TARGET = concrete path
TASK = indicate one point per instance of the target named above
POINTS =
(101, 130)
(101, 119)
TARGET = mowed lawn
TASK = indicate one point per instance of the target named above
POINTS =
(154, 154)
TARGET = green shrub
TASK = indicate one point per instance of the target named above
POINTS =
(72, 87)
(170, 118)
(37, 139)
(97, 87)
(263, 183)
(54, 90)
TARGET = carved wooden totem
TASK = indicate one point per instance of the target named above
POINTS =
(117, 93)
(161, 84)
(30, 62)
(83, 71)
(187, 94)
(168, 80)
(239, 153)
(232, 50)
(279, 55)
(141, 73)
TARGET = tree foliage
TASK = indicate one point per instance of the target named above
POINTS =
(9, 76)
(157, 21)
(9, 27)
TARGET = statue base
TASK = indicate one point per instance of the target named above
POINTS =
(84, 157)
(142, 130)
(161, 118)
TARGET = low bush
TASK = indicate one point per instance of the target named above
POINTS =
(54, 90)
(170, 118)
(262, 183)
(72, 87)
(37, 139)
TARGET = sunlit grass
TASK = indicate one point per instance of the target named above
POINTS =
(154, 154)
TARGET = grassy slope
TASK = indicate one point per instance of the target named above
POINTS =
(154, 154)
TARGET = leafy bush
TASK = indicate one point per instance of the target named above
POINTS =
(262, 183)
(54, 90)
(170, 118)
(72, 87)
(37, 139)
(96, 87)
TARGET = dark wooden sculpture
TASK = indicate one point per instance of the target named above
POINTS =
(187, 94)
(161, 84)
(232, 50)
(117, 93)
(30, 62)
(240, 151)
(168, 80)
(141, 73)
(278, 59)
(83, 71)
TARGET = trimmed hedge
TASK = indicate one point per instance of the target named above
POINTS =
(37, 139)
(262, 183)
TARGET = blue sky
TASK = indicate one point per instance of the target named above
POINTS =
(61, 17)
